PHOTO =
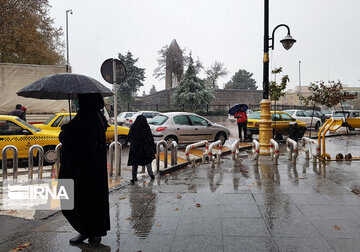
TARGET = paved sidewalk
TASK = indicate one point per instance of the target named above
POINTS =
(226, 208)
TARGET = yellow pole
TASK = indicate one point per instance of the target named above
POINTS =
(265, 127)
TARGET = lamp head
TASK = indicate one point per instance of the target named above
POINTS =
(288, 42)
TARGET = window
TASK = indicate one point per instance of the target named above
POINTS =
(198, 121)
(129, 115)
(300, 113)
(275, 117)
(49, 120)
(57, 121)
(181, 120)
(65, 121)
(148, 115)
(10, 128)
(290, 112)
(355, 114)
(158, 120)
(286, 117)
(254, 115)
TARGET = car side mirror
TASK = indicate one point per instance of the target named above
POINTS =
(209, 124)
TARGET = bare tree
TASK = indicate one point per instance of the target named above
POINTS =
(214, 72)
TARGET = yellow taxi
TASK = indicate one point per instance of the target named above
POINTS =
(15, 131)
(55, 122)
(281, 123)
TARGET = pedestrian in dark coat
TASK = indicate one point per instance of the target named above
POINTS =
(19, 112)
(83, 159)
(142, 147)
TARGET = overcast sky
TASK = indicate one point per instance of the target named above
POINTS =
(229, 31)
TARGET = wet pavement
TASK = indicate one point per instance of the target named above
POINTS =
(287, 207)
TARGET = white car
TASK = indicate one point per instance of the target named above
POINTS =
(123, 116)
(184, 127)
(305, 117)
(148, 114)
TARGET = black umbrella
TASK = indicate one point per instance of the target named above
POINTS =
(238, 107)
(63, 86)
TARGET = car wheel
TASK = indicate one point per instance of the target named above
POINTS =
(351, 128)
(123, 140)
(170, 139)
(317, 125)
(221, 136)
(49, 155)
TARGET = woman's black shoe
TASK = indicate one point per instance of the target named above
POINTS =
(78, 239)
(95, 239)
(132, 181)
(152, 177)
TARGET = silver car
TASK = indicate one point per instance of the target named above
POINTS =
(185, 127)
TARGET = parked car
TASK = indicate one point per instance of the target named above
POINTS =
(318, 114)
(346, 114)
(305, 117)
(281, 123)
(123, 116)
(23, 135)
(55, 122)
(148, 114)
(184, 127)
(328, 113)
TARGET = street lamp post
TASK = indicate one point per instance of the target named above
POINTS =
(265, 129)
(67, 39)
(299, 83)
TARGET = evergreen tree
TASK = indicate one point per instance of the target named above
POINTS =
(152, 90)
(242, 79)
(134, 78)
(192, 90)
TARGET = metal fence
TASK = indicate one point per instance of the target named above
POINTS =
(221, 109)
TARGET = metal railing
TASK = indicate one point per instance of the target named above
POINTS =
(218, 144)
(158, 151)
(292, 150)
(112, 156)
(235, 152)
(256, 151)
(274, 151)
(195, 145)
(4, 161)
(173, 149)
(57, 162)
(310, 141)
(31, 161)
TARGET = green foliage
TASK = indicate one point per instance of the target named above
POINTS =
(277, 90)
(191, 90)
(242, 79)
(134, 78)
(27, 35)
(329, 96)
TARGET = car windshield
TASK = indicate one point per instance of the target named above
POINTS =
(32, 127)
(158, 120)
(290, 112)
(254, 115)
(340, 114)
(49, 120)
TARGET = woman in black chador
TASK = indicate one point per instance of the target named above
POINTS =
(142, 147)
(83, 159)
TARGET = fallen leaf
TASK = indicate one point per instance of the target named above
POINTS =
(11, 212)
(179, 196)
(198, 205)
(337, 227)
(167, 174)
(146, 183)
(21, 247)
(158, 225)
(122, 198)
(176, 209)
(301, 178)
(128, 218)
(148, 197)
